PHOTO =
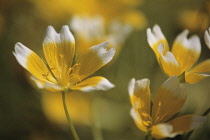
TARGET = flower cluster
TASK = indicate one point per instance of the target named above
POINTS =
(64, 71)
(157, 118)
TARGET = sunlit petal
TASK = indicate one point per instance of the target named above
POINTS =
(168, 62)
(186, 51)
(139, 92)
(199, 72)
(168, 101)
(32, 62)
(186, 123)
(94, 58)
(59, 49)
(207, 37)
(155, 37)
(93, 83)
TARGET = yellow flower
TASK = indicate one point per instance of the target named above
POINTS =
(207, 37)
(91, 30)
(185, 52)
(156, 119)
(59, 72)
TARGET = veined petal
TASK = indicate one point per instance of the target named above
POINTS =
(162, 130)
(59, 50)
(186, 51)
(139, 92)
(94, 58)
(168, 62)
(93, 83)
(168, 101)
(186, 123)
(155, 37)
(207, 37)
(199, 72)
(46, 85)
(137, 119)
(32, 62)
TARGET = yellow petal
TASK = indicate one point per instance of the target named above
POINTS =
(207, 37)
(95, 57)
(139, 92)
(93, 83)
(168, 101)
(33, 63)
(186, 51)
(162, 130)
(186, 123)
(155, 37)
(198, 73)
(168, 62)
(59, 50)
(137, 119)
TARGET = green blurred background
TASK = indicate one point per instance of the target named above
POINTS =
(26, 113)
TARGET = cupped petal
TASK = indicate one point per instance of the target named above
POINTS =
(139, 92)
(93, 83)
(59, 49)
(168, 62)
(162, 130)
(32, 63)
(186, 123)
(94, 58)
(198, 73)
(207, 37)
(138, 120)
(155, 37)
(186, 51)
(47, 85)
(168, 101)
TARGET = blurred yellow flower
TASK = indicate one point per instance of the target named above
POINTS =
(59, 72)
(123, 10)
(90, 30)
(185, 52)
(156, 119)
(194, 20)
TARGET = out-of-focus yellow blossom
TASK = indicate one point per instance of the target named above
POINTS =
(122, 10)
(207, 37)
(59, 72)
(196, 19)
(92, 30)
(185, 52)
(168, 101)
(53, 108)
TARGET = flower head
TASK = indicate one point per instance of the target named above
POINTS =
(185, 52)
(59, 72)
(168, 101)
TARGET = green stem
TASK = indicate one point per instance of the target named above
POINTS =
(190, 133)
(146, 137)
(74, 133)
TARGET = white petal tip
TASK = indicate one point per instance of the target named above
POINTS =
(102, 52)
(103, 85)
(207, 37)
